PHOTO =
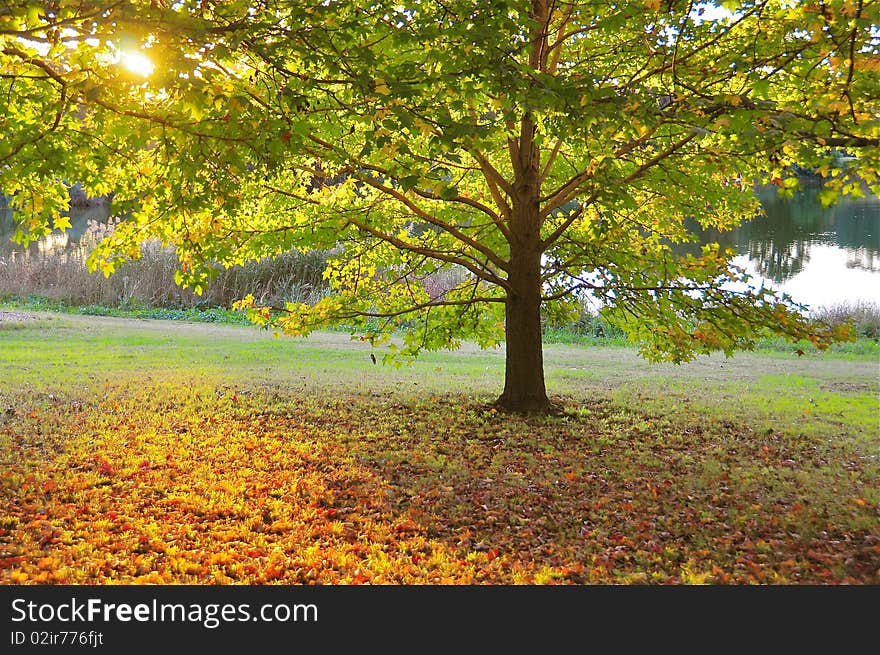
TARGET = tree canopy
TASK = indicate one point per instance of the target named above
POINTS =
(473, 167)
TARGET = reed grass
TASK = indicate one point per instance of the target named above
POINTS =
(56, 270)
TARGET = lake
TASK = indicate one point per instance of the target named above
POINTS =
(819, 255)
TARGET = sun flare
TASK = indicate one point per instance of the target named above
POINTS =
(137, 63)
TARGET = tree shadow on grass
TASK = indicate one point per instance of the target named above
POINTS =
(166, 483)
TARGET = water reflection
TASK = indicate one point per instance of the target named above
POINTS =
(80, 219)
(780, 245)
(820, 255)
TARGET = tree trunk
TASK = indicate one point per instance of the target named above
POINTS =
(524, 390)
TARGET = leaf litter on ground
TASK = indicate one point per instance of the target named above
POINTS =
(188, 482)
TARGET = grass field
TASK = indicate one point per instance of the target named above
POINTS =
(138, 451)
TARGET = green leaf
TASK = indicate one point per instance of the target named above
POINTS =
(555, 160)
(828, 196)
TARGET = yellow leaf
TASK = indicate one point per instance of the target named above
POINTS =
(62, 223)
(849, 9)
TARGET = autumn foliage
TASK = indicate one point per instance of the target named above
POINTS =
(197, 482)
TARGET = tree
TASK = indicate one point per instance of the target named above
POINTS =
(532, 152)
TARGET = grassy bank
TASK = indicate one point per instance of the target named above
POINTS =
(202, 314)
(588, 331)
(55, 277)
(144, 451)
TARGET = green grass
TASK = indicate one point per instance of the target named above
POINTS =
(587, 332)
(318, 465)
(198, 314)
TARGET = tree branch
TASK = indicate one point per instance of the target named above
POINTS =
(62, 98)
(464, 200)
(639, 172)
(550, 159)
(479, 271)
(561, 195)
(490, 254)
(428, 305)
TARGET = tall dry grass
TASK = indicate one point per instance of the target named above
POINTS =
(56, 269)
(862, 314)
